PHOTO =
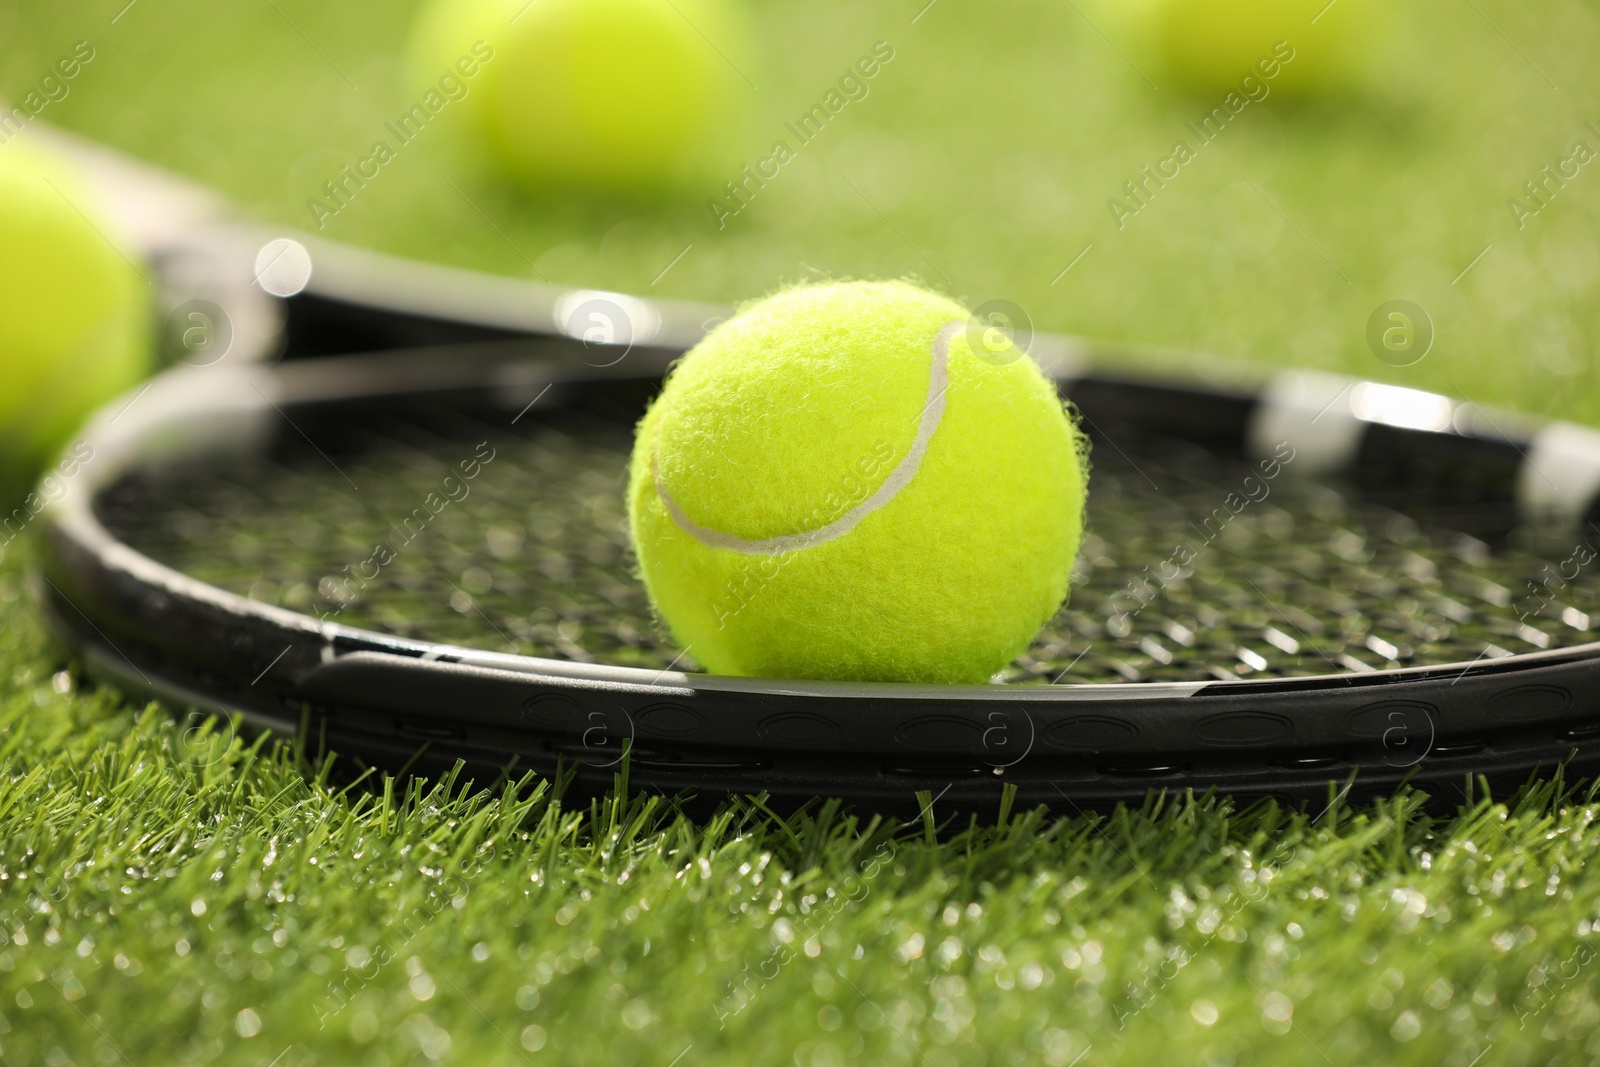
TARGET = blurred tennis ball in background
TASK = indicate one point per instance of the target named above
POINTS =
(607, 94)
(855, 481)
(1209, 46)
(75, 315)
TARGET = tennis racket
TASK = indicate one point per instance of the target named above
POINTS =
(379, 504)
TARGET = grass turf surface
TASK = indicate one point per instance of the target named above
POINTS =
(171, 909)
(982, 160)
(180, 895)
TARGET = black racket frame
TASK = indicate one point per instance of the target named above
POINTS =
(398, 703)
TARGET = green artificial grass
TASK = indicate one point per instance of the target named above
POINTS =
(176, 895)
(182, 894)
(982, 160)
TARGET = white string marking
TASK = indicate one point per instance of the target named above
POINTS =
(899, 478)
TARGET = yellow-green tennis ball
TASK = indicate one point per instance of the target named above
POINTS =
(609, 94)
(74, 313)
(1294, 47)
(836, 484)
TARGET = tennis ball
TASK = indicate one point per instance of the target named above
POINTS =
(1296, 47)
(848, 481)
(74, 313)
(609, 94)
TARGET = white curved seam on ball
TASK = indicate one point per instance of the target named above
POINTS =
(899, 478)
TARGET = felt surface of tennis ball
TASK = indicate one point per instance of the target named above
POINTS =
(74, 313)
(608, 94)
(812, 496)
(1211, 46)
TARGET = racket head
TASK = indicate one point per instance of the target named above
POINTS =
(1356, 615)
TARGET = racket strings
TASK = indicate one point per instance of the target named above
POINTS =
(1193, 567)
(1182, 580)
